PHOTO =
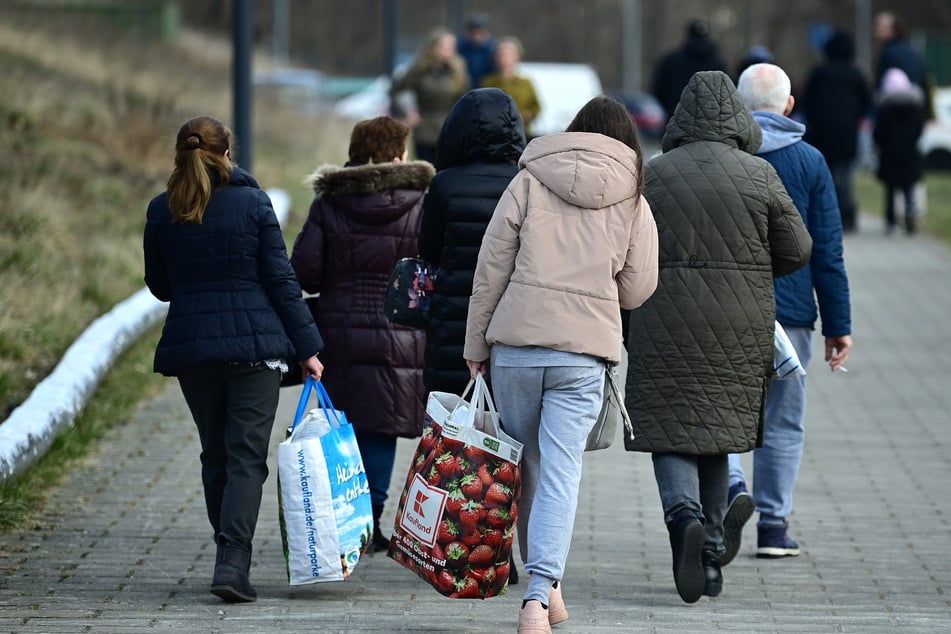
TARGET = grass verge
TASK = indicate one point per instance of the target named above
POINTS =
(130, 381)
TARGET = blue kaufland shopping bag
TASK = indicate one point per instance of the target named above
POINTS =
(325, 511)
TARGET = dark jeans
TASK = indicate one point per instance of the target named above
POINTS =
(697, 484)
(379, 454)
(842, 178)
(908, 191)
(233, 407)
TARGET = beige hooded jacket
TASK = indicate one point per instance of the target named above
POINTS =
(571, 242)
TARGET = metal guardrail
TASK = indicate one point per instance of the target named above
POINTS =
(56, 401)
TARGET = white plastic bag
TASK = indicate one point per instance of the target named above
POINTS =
(785, 359)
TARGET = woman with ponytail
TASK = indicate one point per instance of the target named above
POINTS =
(236, 321)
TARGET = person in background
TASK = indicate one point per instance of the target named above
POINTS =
(899, 122)
(365, 216)
(214, 250)
(437, 78)
(674, 70)
(897, 52)
(479, 146)
(835, 102)
(508, 53)
(701, 348)
(766, 90)
(476, 47)
(546, 320)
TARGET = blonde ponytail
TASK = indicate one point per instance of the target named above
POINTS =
(199, 154)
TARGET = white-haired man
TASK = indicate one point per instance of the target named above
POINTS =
(765, 89)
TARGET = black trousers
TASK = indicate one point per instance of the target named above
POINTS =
(233, 407)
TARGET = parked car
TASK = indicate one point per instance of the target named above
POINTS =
(935, 142)
(646, 111)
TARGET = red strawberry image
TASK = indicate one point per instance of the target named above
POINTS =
(455, 499)
(427, 441)
(466, 588)
(471, 538)
(485, 474)
(498, 495)
(445, 582)
(481, 556)
(446, 464)
(475, 454)
(506, 473)
(485, 576)
(437, 554)
(471, 514)
(501, 579)
(471, 486)
(447, 532)
(498, 518)
(433, 477)
(492, 537)
(452, 445)
(456, 554)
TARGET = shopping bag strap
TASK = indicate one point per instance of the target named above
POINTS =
(482, 401)
(619, 398)
(323, 398)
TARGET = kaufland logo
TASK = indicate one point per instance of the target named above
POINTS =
(421, 518)
(418, 503)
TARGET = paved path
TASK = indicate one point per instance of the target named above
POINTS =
(126, 547)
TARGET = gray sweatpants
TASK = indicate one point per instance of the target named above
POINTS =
(549, 401)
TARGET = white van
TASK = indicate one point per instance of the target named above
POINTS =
(561, 90)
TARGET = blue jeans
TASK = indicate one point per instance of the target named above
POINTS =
(697, 485)
(551, 410)
(776, 463)
(379, 453)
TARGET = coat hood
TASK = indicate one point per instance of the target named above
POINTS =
(483, 127)
(584, 169)
(778, 131)
(374, 193)
(710, 109)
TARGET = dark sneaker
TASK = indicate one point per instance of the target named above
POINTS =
(774, 543)
(738, 513)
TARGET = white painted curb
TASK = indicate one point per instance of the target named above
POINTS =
(56, 401)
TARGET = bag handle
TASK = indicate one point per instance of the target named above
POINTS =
(482, 402)
(323, 398)
(612, 384)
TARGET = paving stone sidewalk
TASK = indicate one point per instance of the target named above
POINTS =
(125, 546)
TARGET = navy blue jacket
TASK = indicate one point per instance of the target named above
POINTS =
(232, 294)
(806, 177)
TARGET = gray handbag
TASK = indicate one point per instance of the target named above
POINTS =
(605, 429)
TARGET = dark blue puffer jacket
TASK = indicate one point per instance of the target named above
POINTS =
(233, 295)
(806, 176)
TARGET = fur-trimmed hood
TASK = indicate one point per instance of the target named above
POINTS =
(331, 181)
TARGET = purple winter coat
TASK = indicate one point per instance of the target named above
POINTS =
(363, 219)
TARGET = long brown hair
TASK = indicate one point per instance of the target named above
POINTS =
(607, 116)
(199, 154)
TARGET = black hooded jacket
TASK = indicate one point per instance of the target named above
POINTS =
(477, 156)
(677, 67)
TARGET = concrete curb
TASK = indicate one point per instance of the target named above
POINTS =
(56, 401)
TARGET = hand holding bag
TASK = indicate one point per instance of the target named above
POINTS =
(456, 517)
(409, 293)
(324, 500)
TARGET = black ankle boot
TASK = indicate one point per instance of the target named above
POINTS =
(711, 570)
(231, 581)
(686, 545)
(379, 542)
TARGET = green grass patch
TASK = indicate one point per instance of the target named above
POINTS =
(129, 381)
(870, 195)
